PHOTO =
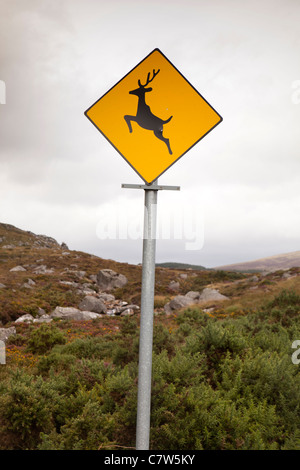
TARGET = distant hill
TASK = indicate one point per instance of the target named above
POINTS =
(175, 265)
(271, 263)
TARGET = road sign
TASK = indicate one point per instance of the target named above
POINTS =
(153, 116)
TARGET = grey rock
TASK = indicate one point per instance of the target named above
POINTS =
(174, 286)
(111, 312)
(27, 318)
(43, 319)
(2, 286)
(180, 301)
(209, 294)
(5, 333)
(71, 313)
(92, 304)
(193, 298)
(93, 278)
(193, 295)
(64, 246)
(17, 268)
(183, 276)
(69, 283)
(108, 279)
(132, 308)
(43, 270)
(208, 310)
(106, 297)
(29, 284)
(127, 312)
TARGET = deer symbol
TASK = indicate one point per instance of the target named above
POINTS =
(144, 116)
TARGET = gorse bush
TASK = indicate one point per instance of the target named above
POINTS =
(216, 384)
(44, 338)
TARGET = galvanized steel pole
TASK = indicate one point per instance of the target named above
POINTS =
(146, 323)
(147, 311)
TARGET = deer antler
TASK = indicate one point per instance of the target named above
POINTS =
(148, 78)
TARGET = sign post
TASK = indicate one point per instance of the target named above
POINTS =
(147, 312)
(146, 322)
(152, 117)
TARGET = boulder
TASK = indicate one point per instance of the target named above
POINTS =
(174, 286)
(193, 295)
(27, 318)
(106, 297)
(43, 270)
(92, 304)
(178, 302)
(108, 279)
(127, 312)
(5, 333)
(43, 319)
(131, 309)
(29, 284)
(209, 294)
(192, 298)
(71, 313)
(17, 268)
(183, 276)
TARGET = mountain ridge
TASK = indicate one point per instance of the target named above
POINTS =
(269, 263)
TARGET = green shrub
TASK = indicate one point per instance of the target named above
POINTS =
(216, 384)
(43, 339)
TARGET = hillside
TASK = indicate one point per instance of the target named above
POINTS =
(223, 378)
(175, 265)
(38, 274)
(271, 263)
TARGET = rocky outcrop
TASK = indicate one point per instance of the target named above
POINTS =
(107, 279)
(71, 313)
(193, 298)
(92, 304)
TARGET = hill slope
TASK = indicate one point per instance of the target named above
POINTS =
(271, 263)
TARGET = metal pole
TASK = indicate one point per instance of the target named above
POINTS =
(146, 323)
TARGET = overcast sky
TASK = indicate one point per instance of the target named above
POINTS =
(239, 197)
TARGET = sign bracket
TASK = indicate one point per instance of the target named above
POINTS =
(153, 187)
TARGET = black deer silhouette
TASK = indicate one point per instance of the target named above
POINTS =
(144, 116)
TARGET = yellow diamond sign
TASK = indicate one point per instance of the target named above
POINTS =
(153, 116)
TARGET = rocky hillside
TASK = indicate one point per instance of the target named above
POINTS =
(41, 280)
